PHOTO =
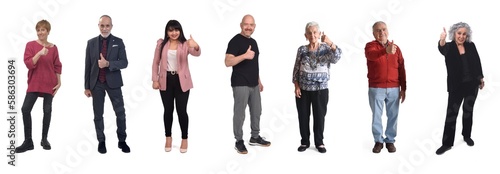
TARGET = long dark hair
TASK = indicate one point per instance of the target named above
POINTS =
(172, 25)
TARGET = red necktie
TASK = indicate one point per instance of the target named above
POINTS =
(102, 71)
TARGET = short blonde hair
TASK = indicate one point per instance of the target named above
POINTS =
(43, 24)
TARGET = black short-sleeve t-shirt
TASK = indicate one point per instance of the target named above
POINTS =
(245, 73)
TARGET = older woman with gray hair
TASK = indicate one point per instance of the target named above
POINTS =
(311, 74)
(465, 76)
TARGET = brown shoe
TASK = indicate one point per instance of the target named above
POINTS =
(378, 146)
(390, 147)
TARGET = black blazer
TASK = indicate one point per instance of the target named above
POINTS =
(116, 56)
(454, 63)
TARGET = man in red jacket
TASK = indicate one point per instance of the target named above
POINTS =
(387, 85)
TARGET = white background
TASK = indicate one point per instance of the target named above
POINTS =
(414, 25)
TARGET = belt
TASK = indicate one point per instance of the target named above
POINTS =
(172, 72)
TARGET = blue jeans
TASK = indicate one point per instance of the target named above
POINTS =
(390, 97)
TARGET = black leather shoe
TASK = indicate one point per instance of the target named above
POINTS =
(302, 148)
(124, 147)
(443, 149)
(469, 141)
(27, 145)
(45, 144)
(321, 149)
(102, 147)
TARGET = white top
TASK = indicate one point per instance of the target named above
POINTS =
(172, 60)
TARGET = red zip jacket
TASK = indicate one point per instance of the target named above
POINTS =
(384, 70)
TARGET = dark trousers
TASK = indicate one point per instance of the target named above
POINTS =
(29, 102)
(116, 97)
(174, 92)
(466, 92)
(319, 102)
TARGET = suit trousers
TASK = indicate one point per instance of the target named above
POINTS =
(116, 97)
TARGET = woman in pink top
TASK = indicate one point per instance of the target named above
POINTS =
(172, 77)
(44, 79)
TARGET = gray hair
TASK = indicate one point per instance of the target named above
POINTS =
(107, 16)
(457, 26)
(312, 24)
(377, 23)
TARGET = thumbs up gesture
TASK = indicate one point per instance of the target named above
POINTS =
(249, 54)
(103, 63)
(192, 43)
(443, 35)
(391, 48)
(44, 51)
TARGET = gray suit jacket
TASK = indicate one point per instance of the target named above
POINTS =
(116, 56)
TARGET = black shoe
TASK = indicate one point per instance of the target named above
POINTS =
(443, 149)
(45, 144)
(240, 147)
(27, 145)
(124, 147)
(102, 147)
(259, 141)
(321, 149)
(469, 141)
(303, 148)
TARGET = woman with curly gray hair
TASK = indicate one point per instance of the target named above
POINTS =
(465, 76)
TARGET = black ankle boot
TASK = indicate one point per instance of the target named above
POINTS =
(45, 144)
(27, 145)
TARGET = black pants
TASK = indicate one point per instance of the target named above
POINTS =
(466, 92)
(29, 102)
(174, 92)
(116, 97)
(319, 102)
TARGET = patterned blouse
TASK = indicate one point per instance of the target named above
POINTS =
(312, 68)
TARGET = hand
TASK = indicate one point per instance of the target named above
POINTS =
(44, 51)
(249, 54)
(442, 38)
(402, 96)
(261, 87)
(55, 89)
(297, 92)
(88, 93)
(192, 43)
(481, 84)
(156, 85)
(326, 39)
(103, 63)
(391, 48)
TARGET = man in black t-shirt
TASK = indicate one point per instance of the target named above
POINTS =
(243, 55)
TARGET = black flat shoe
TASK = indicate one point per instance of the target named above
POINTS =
(443, 149)
(302, 148)
(124, 147)
(45, 144)
(321, 149)
(101, 148)
(469, 141)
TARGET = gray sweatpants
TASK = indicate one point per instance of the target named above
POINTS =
(243, 96)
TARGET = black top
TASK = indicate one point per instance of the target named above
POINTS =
(466, 74)
(245, 73)
(454, 64)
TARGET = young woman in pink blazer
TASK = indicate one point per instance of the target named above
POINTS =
(172, 77)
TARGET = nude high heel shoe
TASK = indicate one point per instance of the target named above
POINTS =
(168, 144)
(184, 145)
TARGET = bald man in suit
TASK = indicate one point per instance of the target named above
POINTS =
(105, 57)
